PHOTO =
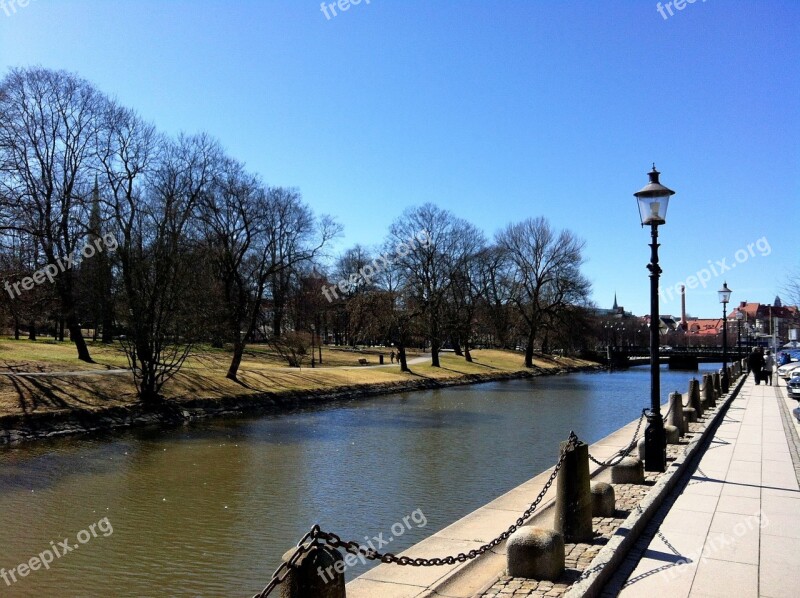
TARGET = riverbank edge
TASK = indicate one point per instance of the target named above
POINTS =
(611, 556)
(28, 427)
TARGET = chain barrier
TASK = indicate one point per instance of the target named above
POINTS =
(281, 572)
(317, 537)
(624, 452)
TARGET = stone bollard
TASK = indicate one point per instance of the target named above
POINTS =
(717, 387)
(672, 434)
(319, 573)
(675, 417)
(724, 379)
(628, 471)
(694, 397)
(535, 553)
(573, 515)
(709, 397)
(640, 447)
(689, 416)
(604, 502)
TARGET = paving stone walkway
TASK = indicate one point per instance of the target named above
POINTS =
(733, 527)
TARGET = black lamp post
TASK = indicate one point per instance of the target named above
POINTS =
(739, 318)
(653, 199)
(724, 297)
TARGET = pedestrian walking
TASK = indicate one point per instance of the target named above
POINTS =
(769, 366)
(391, 356)
(756, 363)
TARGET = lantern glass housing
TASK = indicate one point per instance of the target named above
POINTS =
(653, 200)
(724, 293)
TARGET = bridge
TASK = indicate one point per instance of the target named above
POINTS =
(676, 357)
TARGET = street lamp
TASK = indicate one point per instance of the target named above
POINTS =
(653, 199)
(739, 318)
(724, 297)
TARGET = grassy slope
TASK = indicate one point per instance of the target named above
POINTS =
(203, 374)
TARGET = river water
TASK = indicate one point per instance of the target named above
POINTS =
(207, 509)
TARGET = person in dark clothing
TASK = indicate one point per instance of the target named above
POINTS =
(756, 363)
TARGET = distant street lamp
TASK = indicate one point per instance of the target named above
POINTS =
(739, 318)
(653, 200)
(724, 297)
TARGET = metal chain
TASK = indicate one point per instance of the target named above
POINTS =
(622, 453)
(281, 572)
(355, 548)
(317, 536)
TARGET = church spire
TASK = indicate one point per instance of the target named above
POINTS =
(616, 307)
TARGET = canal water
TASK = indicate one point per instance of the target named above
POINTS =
(207, 509)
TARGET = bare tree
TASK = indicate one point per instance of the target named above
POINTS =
(792, 288)
(495, 309)
(157, 253)
(427, 242)
(465, 287)
(545, 278)
(294, 237)
(50, 120)
(256, 239)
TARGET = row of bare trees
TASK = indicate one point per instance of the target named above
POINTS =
(206, 251)
(524, 289)
(200, 242)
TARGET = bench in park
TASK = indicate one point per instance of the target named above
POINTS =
(362, 361)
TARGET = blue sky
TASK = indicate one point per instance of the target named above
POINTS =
(497, 111)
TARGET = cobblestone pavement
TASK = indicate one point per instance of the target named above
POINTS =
(578, 557)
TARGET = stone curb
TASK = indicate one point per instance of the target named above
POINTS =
(616, 550)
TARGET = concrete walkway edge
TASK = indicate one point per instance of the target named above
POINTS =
(615, 552)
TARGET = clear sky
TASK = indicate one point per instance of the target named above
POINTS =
(496, 110)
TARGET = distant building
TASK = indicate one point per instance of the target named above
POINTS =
(616, 311)
(760, 321)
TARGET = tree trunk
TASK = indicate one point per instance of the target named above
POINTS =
(435, 356)
(401, 357)
(457, 347)
(529, 352)
(108, 323)
(236, 360)
(32, 331)
(76, 336)
(467, 354)
(435, 345)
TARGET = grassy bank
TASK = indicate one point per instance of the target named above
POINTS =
(67, 386)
